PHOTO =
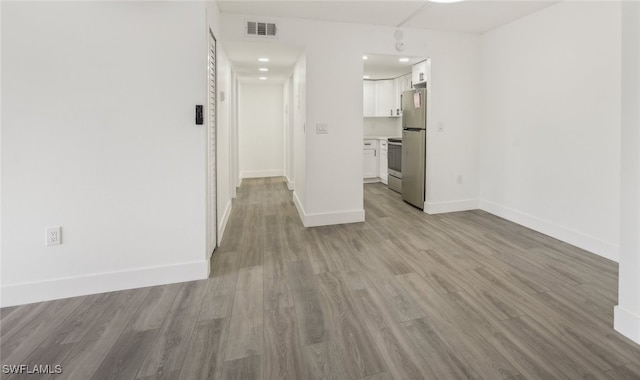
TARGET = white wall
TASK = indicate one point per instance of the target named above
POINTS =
(99, 138)
(261, 130)
(550, 146)
(382, 126)
(287, 96)
(333, 190)
(299, 109)
(627, 313)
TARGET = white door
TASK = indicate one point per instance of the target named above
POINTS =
(212, 214)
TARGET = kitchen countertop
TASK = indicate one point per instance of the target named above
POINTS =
(380, 137)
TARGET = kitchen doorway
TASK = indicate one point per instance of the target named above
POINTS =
(385, 79)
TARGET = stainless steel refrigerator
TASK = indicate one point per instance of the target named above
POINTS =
(414, 143)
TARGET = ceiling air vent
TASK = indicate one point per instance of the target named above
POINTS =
(261, 29)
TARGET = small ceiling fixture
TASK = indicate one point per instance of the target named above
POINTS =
(263, 78)
(263, 69)
(365, 77)
(263, 59)
(403, 59)
(445, 1)
(365, 57)
(399, 35)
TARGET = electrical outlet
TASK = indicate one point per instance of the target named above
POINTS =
(53, 236)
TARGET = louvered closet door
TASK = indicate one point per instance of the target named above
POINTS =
(211, 143)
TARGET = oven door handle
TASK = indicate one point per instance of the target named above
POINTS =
(395, 143)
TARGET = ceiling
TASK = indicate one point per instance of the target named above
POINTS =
(378, 66)
(472, 16)
(244, 56)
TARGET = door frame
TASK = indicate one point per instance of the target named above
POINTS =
(212, 128)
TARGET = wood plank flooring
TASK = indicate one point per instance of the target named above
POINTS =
(404, 295)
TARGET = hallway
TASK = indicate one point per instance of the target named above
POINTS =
(404, 295)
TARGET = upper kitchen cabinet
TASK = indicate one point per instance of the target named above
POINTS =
(386, 77)
(369, 97)
(386, 104)
(408, 82)
(379, 98)
(419, 73)
(400, 85)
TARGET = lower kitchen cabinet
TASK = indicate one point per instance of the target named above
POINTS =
(370, 159)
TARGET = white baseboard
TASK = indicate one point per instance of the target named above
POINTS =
(327, 218)
(568, 235)
(223, 222)
(262, 173)
(20, 294)
(290, 184)
(298, 204)
(450, 206)
(626, 323)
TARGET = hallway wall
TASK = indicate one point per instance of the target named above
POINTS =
(261, 130)
(98, 137)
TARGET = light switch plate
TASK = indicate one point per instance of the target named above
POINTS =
(322, 128)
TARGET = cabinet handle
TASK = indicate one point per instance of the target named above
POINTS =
(374, 153)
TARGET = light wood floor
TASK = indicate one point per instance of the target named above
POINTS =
(403, 296)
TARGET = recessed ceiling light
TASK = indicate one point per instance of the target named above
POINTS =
(263, 78)
(365, 57)
(445, 1)
(263, 59)
(263, 69)
(366, 77)
(404, 60)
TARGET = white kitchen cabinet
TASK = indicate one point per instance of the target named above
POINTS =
(401, 84)
(378, 98)
(419, 73)
(369, 98)
(370, 159)
(383, 161)
(398, 87)
(408, 82)
(385, 101)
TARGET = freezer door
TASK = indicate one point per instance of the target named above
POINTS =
(414, 106)
(413, 166)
